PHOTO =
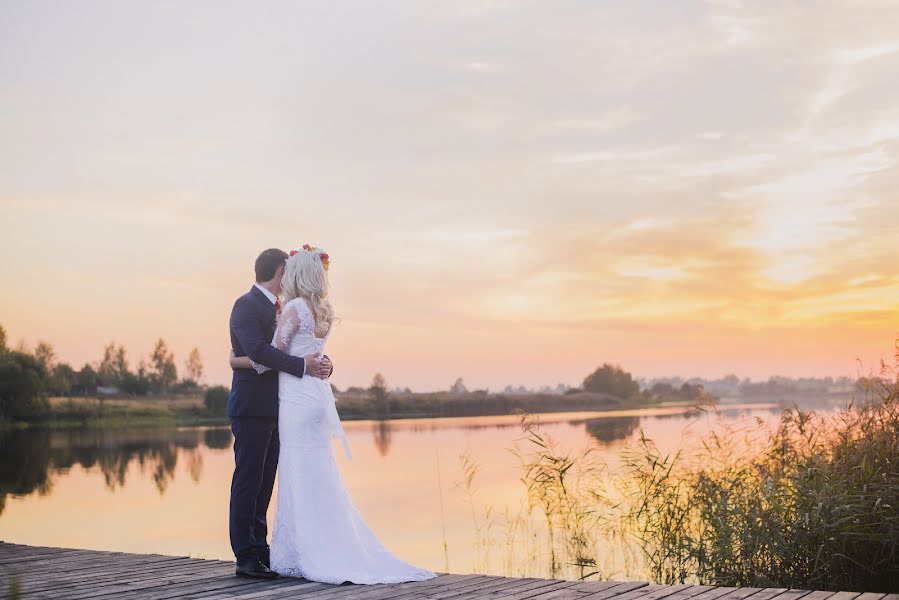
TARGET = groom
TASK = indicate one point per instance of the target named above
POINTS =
(253, 412)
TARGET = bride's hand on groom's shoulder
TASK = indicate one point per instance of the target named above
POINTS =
(317, 365)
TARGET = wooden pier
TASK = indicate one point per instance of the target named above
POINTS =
(59, 573)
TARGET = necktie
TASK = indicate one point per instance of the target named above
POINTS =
(277, 305)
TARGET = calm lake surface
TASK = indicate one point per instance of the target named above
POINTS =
(166, 490)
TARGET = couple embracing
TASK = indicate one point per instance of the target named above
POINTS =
(282, 413)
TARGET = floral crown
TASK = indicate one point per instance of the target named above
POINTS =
(322, 255)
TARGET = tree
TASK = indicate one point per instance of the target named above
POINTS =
(215, 399)
(3, 346)
(459, 387)
(61, 381)
(23, 394)
(613, 380)
(113, 369)
(194, 367)
(164, 373)
(45, 355)
(140, 383)
(86, 380)
(379, 394)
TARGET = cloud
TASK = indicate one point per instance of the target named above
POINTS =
(853, 56)
(622, 155)
(614, 119)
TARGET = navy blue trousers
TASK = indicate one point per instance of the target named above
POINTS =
(256, 449)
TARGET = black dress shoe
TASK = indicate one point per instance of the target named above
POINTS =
(265, 560)
(256, 570)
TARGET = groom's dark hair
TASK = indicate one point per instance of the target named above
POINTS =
(268, 262)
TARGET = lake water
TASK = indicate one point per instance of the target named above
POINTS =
(166, 490)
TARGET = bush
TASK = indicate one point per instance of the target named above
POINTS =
(814, 504)
(23, 393)
(215, 399)
(614, 380)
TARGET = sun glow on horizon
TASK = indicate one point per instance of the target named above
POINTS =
(509, 193)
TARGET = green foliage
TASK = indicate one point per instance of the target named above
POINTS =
(814, 504)
(61, 380)
(164, 373)
(380, 396)
(113, 369)
(45, 355)
(3, 341)
(566, 489)
(612, 379)
(215, 399)
(86, 380)
(23, 393)
(194, 367)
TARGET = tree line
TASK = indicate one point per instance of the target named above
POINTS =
(27, 379)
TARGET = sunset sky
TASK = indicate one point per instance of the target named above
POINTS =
(510, 192)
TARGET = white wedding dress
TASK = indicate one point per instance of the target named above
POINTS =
(318, 532)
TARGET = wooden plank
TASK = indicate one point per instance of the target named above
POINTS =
(57, 573)
(550, 586)
(354, 591)
(618, 590)
(767, 593)
(7, 550)
(853, 595)
(44, 557)
(596, 586)
(163, 586)
(819, 595)
(796, 594)
(277, 588)
(127, 583)
(725, 593)
(89, 563)
(483, 587)
(514, 586)
(397, 589)
(417, 589)
(103, 569)
(114, 570)
(86, 580)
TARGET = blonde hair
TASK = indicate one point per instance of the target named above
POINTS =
(305, 277)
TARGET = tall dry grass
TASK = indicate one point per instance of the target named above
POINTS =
(810, 504)
(813, 504)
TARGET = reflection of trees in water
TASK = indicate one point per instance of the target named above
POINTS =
(29, 459)
(382, 431)
(611, 429)
(217, 438)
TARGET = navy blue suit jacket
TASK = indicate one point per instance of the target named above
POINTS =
(253, 321)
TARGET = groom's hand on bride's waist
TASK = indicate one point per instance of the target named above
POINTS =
(328, 364)
(317, 365)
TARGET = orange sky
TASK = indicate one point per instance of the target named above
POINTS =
(509, 192)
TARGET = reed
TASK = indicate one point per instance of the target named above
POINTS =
(812, 504)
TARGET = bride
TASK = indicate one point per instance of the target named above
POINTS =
(318, 533)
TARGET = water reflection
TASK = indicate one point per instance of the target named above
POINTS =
(382, 432)
(30, 459)
(609, 430)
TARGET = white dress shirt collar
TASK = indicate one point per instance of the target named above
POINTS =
(271, 297)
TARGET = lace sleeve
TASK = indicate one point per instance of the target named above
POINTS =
(259, 368)
(288, 326)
